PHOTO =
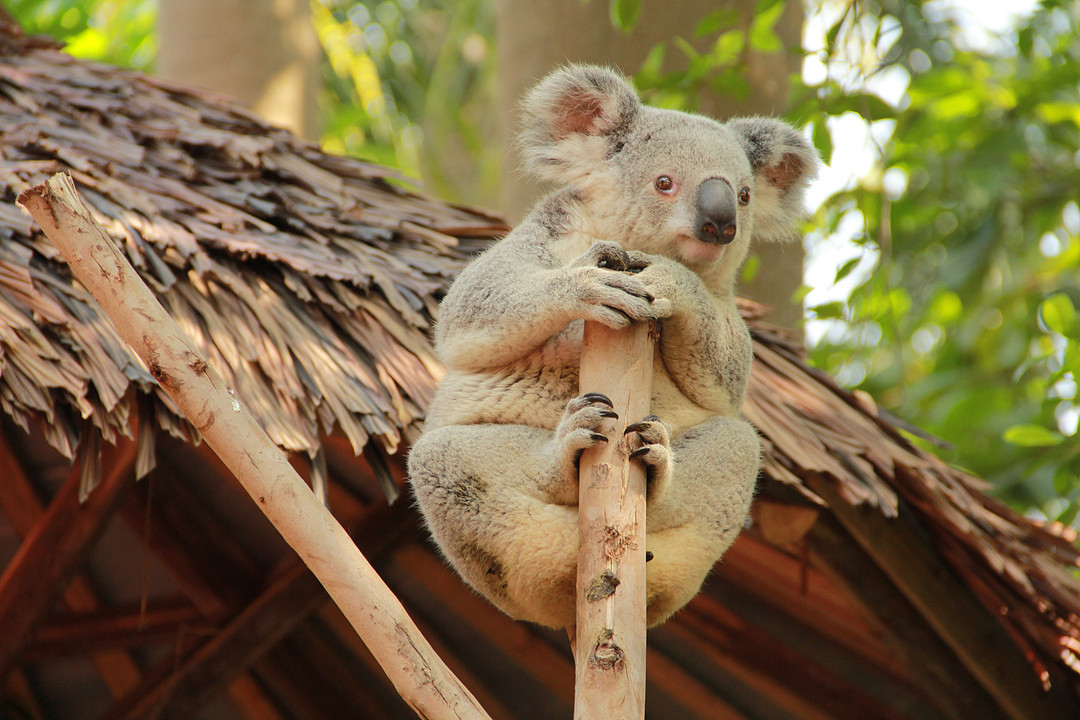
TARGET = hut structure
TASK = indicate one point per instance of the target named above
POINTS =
(875, 582)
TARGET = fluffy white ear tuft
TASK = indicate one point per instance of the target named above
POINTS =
(572, 117)
(784, 163)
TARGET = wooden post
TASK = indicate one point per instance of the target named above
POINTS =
(609, 645)
(419, 675)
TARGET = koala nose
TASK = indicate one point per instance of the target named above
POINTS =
(716, 212)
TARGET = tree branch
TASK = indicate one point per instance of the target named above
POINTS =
(214, 409)
(609, 649)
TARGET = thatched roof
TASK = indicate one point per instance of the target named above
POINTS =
(310, 279)
(877, 581)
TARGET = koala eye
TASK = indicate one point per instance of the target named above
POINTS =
(744, 196)
(664, 184)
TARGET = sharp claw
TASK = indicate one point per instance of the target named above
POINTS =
(609, 414)
(599, 438)
(642, 424)
(598, 397)
(640, 452)
(648, 555)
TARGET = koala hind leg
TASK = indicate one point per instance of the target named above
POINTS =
(485, 493)
(702, 510)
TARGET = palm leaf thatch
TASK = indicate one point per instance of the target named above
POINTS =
(310, 279)
(311, 282)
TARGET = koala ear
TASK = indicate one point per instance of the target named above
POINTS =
(572, 117)
(784, 163)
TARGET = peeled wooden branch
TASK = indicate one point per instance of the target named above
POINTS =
(609, 649)
(419, 675)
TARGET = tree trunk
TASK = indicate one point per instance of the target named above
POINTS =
(535, 36)
(264, 54)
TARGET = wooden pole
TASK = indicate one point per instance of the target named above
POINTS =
(419, 675)
(609, 647)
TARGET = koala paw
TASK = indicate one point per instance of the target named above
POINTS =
(655, 453)
(580, 428)
(606, 282)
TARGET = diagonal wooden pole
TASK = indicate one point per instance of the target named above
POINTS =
(419, 675)
(609, 647)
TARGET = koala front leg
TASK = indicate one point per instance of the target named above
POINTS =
(704, 343)
(514, 299)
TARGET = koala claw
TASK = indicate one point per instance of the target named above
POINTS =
(579, 429)
(605, 254)
(644, 424)
(615, 261)
(655, 453)
(594, 397)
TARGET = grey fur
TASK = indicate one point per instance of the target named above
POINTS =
(495, 471)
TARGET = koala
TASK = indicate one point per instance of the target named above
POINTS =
(652, 219)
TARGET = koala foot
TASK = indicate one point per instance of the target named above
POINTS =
(655, 453)
(580, 428)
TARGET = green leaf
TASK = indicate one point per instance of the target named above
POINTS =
(1032, 436)
(1058, 314)
(650, 74)
(762, 35)
(868, 105)
(716, 21)
(750, 268)
(829, 311)
(844, 270)
(727, 47)
(822, 139)
(624, 13)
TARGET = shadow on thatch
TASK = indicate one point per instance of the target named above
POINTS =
(876, 581)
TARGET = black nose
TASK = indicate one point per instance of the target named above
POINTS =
(716, 212)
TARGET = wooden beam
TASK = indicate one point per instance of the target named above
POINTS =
(518, 641)
(808, 596)
(24, 510)
(934, 668)
(127, 627)
(982, 644)
(374, 677)
(320, 671)
(764, 639)
(178, 688)
(207, 560)
(56, 548)
(19, 699)
(144, 514)
(699, 699)
(748, 690)
(251, 701)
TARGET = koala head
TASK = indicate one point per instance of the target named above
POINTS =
(670, 182)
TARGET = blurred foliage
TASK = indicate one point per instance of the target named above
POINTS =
(712, 59)
(411, 84)
(119, 32)
(966, 236)
(953, 251)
